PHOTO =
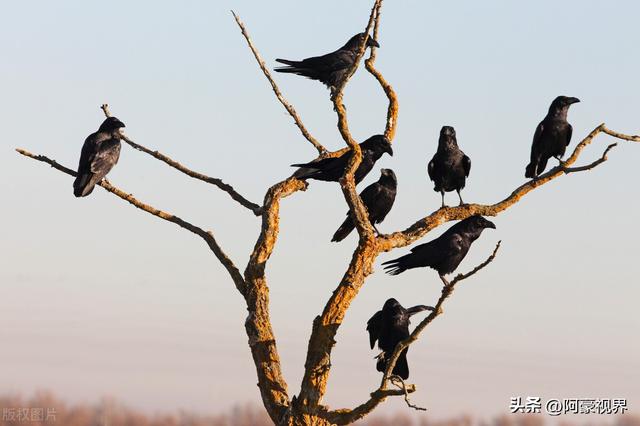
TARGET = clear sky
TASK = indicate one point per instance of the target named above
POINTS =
(99, 298)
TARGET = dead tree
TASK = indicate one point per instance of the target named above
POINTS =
(306, 407)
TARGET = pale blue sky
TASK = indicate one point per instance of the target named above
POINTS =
(98, 298)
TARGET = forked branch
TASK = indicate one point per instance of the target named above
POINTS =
(262, 340)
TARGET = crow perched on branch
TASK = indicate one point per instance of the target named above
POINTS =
(331, 68)
(552, 136)
(100, 152)
(332, 169)
(378, 198)
(449, 167)
(389, 327)
(445, 253)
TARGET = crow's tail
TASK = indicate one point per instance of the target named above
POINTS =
(83, 185)
(344, 230)
(401, 368)
(288, 62)
(530, 171)
(397, 266)
(293, 66)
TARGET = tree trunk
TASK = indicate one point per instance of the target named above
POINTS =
(304, 419)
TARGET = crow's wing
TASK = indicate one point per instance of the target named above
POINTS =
(337, 60)
(431, 167)
(326, 164)
(374, 327)
(535, 145)
(106, 157)
(87, 154)
(439, 249)
(569, 133)
(370, 195)
(466, 165)
(333, 61)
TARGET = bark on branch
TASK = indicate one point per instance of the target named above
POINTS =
(256, 209)
(262, 341)
(345, 416)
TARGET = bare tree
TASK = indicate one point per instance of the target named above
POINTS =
(306, 407)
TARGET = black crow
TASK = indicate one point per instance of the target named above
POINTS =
(389, 327)
(449, 167)
(445, 253)
(332, 169)
(378, 198)
(99, 154)
(331, 68)
(552, 136)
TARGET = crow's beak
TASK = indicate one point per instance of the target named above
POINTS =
(415, 309)
(389, 150)
(573, 100)
(490, 224)
(372, 43)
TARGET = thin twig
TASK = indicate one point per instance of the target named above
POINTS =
(399, 382)
(596, 163)
(207, 236)
(256, 209)
(290, 109)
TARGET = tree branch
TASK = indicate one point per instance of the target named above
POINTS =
(596, 163)
(321, 342)
(290, 109)
(400, 383)
(207, 236)
(262, 341)
(347, 183)
(256, 209)
(345, 416)
(392, 110)
(318, 362)
(445, 214)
